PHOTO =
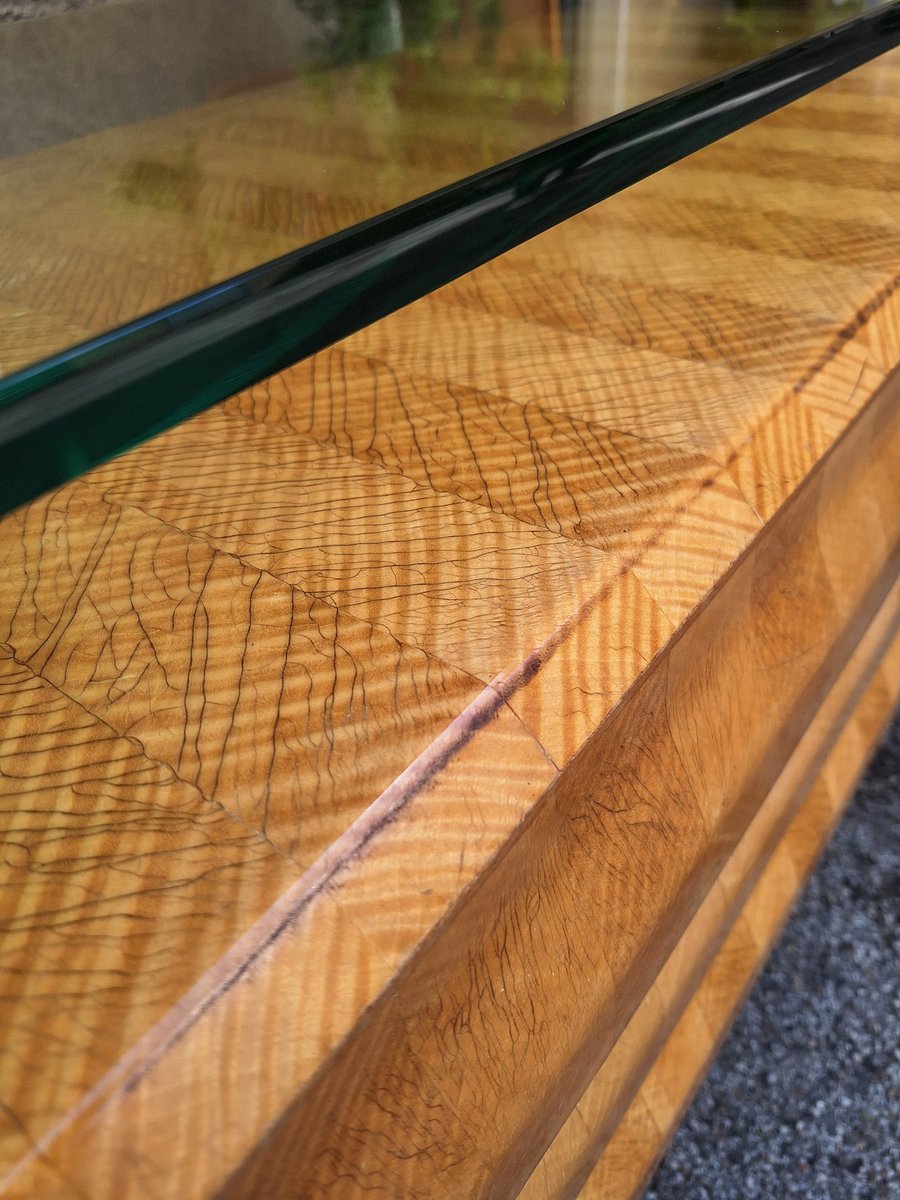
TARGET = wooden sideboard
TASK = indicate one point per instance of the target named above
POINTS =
(408, 763)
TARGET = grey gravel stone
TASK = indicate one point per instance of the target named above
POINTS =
(804, 1097)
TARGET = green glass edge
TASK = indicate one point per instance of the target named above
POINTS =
(65, 415)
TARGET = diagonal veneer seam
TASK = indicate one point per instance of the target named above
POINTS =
(324, 874)
(250, 830)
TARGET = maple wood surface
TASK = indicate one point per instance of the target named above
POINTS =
(668, 1043)
(372, 740)
(103, 228)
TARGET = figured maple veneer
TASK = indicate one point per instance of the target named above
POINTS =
(552, 950)
(103, 228)
(394, 746)
(277, 706)
(634, 1149)
(111, 866)
(735, 925)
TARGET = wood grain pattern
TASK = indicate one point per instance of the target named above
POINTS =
(650, 1120)
(752, 894)
(103, 228)
(286, 711)
(111, 865)
(443, 679)
(552, 969)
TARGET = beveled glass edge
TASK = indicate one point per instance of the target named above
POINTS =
(70, 412)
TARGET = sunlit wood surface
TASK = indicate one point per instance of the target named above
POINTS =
(737, 922)
(100, 229)
(390, 751)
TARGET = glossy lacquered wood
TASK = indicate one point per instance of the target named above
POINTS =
(640, 1136)
(632, 1105)
(374, 740)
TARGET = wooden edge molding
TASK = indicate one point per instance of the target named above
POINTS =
(722, 990)
(716, 956)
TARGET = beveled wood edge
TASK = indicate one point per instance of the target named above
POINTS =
(582, 1140)
(769, 905)
(868, 349)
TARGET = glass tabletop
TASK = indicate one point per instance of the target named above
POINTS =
(220, 187)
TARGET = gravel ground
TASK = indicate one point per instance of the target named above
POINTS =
(804, 1098)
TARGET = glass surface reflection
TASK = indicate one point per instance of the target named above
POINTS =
(152, 148)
